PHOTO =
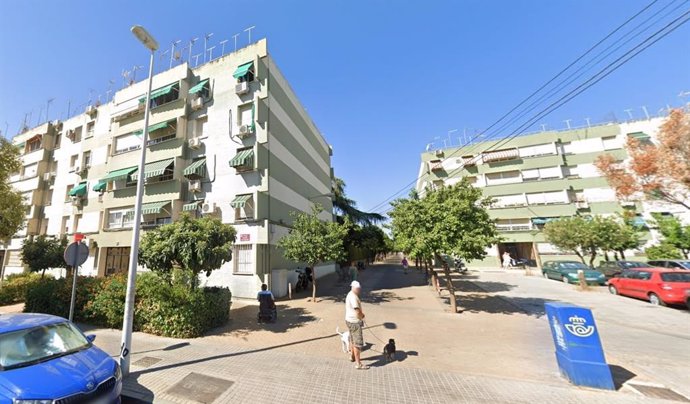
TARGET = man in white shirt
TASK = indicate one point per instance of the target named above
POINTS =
(353, 318)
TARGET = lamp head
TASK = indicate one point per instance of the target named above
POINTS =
(144, 37)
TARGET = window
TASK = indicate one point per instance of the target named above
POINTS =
(244, 207)
(538, 150)
(86, 159)
(245, 114)
(169, 94)
(198, 128)
(242, 257)
(513, 224)
(505, 177)
(30, 171)
(75, 134)
(66, 225)
(509, 200)
(541, 198)
(58, 140)
(120, 218)
(90, 128)
(33, 144)
(68, 198)
(49, 197)
(73, 162)
(127, 143)
(612, 142)
(116, 260)
(530, 175)
(77, 219)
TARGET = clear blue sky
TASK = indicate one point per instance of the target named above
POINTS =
(380, 78)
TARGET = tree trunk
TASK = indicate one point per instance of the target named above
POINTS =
(606, 255)
(592, 256)
(313, 283)
(582, 257)
(615, 255)
(43, 273)
(622, 254)
(451, 288)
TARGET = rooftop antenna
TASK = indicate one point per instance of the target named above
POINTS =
(543, 127)
(222, 52)
(125, 83)
(235, 38)
(50, 101)
(249, 33)
(428, 146)
(629, 111)
(38, 118)
(191, 44)
(588, 123)
(567, 123)
(196, 59)
(210, 53)
(450, 132)
(134, 72)
(109, 90)
(174, 55)
(206, 38)
(91, 91)
(646, 113)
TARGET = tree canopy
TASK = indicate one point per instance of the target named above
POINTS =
(41, 253)
(657, 170)
(11, 202)
(193, 245)
(314, 241)
(346, 207)
(674, 233)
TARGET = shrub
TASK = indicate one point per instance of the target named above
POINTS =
(107, 306)
(663, 251)
(53, 296)
(14, 287)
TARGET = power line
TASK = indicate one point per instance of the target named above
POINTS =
(578, 90)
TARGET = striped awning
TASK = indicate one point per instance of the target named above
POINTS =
(192, 206)
(154, 169)
(120, 174)
(242, 158)
(240, 201)
(79, 190)
(435, 165)
(158, 92)
(196, 170)
(242, 70)
(499, 155)
(157, 126)
(639, 136)
(543, 220)
(153, 208)
(198, 87)
(100, 186)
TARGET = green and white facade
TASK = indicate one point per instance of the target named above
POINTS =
(228, 138)
(539, 177)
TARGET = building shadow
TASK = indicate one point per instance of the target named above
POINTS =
(243, 321)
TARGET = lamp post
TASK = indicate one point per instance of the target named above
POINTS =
(126, 348)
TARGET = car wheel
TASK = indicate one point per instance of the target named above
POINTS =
(655, 300)
(613, 290)
(545, 275)
(565, 279)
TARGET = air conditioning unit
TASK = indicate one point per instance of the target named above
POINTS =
(439, 153)
(582, 204)
(195, 186)
(628, 204)
(90, 110)
(197, 102)
(208, 207)
(70, 134)
(242, 88)
(245, 130)
(76, 200)
(48, 177)
(194, 143)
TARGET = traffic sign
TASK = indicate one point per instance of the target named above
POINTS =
(76, 254)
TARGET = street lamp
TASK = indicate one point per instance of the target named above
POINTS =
(126, 347)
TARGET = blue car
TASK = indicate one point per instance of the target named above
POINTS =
(47, 360)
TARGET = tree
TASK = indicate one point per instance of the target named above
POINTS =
(674, 233)
(314, 241)
(11, 202)
(659, 171)
(193, 245)
(449, 220)
(370, 240)
(663, 251)
(346, 207)
(617, 234)
(574, 234)
(41, 253)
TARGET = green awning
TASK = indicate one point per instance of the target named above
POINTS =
(20, 146)
(161, 91)
(100, 187)
(240, 201)
(639, 135)
(242, 158)
(542, 220)
(192, 206)
(638, 221)
(198, 87)
(120, 174)
(154, 169)
(196, 170)
(242, 70)
(157, 126)
(153, 208)
(79, 190)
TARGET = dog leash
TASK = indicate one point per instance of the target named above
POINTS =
(372, 333)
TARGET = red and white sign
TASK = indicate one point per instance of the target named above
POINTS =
(245, 237)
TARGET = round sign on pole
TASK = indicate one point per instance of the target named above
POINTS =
(76, 254)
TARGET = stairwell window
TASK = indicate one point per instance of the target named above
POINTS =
(90, 128)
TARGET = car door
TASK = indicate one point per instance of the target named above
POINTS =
(607, 269)
(548, 269)
(625, 282)
(643, 284)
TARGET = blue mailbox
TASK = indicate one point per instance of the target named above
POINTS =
(578, 348)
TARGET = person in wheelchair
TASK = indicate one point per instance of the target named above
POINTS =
(267, 305)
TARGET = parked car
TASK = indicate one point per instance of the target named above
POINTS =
(660, 286)
(47, 359)
(675, 264)
(566, 271)
(614, 268)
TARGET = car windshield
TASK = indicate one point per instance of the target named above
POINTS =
(39, 344)
(573, 265)
(684, 264)
(675, 277)
(633, 264)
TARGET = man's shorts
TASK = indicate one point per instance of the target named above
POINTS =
(356, 337)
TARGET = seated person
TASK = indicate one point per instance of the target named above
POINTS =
(267, 305)
(264, 291)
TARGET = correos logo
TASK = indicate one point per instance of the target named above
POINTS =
(578, 327)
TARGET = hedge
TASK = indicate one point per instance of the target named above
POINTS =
(161, 309)
(14, 287)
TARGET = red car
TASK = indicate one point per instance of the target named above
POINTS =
(661, 286)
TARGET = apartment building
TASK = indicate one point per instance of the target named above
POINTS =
(537, 178)
(228, 138)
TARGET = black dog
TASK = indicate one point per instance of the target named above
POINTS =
(389, 350)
